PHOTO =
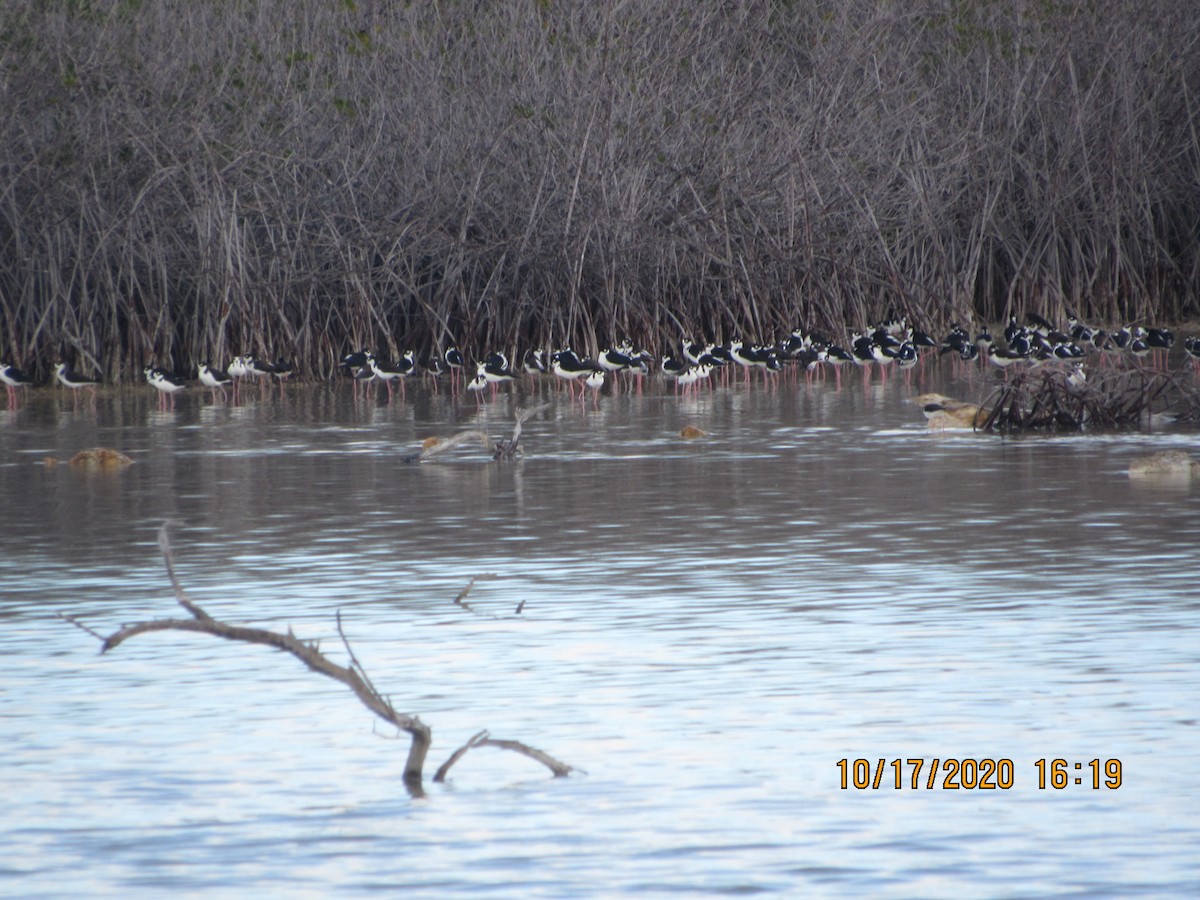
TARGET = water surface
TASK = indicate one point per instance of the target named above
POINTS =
(708, 627)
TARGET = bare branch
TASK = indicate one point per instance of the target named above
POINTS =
(523, 416)
(560, 769)
(354, 663)
(74, 621)
(164, 544)
(353, 676)
(462, 595)
(499, 449)
(513, 447)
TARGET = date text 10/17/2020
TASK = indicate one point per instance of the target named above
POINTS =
(975, 774)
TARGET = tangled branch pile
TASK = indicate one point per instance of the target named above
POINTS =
(1053, 398)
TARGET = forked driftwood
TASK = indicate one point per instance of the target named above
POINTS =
(500, 449)
(353, 676)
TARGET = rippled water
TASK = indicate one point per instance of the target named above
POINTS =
(709, 626)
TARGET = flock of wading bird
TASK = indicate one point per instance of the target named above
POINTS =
(890, 343)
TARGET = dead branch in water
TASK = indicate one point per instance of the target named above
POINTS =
(483, 740)
(353, 676)
(499, 448)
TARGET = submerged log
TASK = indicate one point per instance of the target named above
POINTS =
(98, 459)
(354, 676)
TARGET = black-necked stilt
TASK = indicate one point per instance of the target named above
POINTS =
(478, 384)
(1160, 341)
(906, 357)
(534, 362)
(363, 376)
(281, 371)
(639, 359)
(674, 368)
(922, 339)
(611, 360)
(13, 379)
(1003, 357)
(258, 369)
(837, 356)
(896, 326)
(1079, 332)
(1040, 348)
(1012, 329)
(691, 351)
(1067, 350)
(355, 360)
(75, 382)
(862, 350)
(640, 363)
(389, 372)
(744, 356)
(689, 379)
(454, 360)
(713, 358)
(796, 345)
(1039, 324)
(71, 379)
(593, 381)
(357, 366)
(808, 358)
(495, 370)
(955, 340)
(753, 357)
(570, 368)
(1021, 345)
(1191, 347)
(984, 340)
(213, 379)
(165, 383)
(884, 349)
(237, 370)
(1160, 338)
(615, 360)
(432, 366)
